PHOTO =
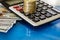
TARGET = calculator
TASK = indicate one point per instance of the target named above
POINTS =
(44, 13)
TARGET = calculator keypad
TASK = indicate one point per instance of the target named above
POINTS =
(43, 11)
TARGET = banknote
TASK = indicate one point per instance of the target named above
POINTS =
(7, 19)
(4, 13)
(11, 2)
(5, 27)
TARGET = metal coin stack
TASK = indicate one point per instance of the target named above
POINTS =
(29, 6)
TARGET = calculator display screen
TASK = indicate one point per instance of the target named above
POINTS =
(11, 2)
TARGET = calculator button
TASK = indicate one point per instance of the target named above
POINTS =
(51, 11)
(16, 6)
(45, 4)
(36, 19)
(42, 17)
(19, 9)
(37, 14)
(40, 5)
(31, 16)
(49, 6)
(43, 12)
(48, 14)
(44, 8)
(39, 9)
(41, 2)
(56, 10)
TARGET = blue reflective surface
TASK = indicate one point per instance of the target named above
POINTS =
(23, 31)
(49, 31)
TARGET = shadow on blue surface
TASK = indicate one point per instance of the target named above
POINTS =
(41, 27)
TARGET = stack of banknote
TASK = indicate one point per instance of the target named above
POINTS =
(7, 19)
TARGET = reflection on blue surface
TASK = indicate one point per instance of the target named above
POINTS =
(23, 31)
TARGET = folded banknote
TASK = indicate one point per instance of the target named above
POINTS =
(7, 19)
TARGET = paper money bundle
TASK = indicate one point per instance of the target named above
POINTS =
(7, 19)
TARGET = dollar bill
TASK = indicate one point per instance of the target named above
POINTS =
(7, 19)
(5, 27)
(11, 2)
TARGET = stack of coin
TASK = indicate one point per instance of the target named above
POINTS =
(29, 6)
